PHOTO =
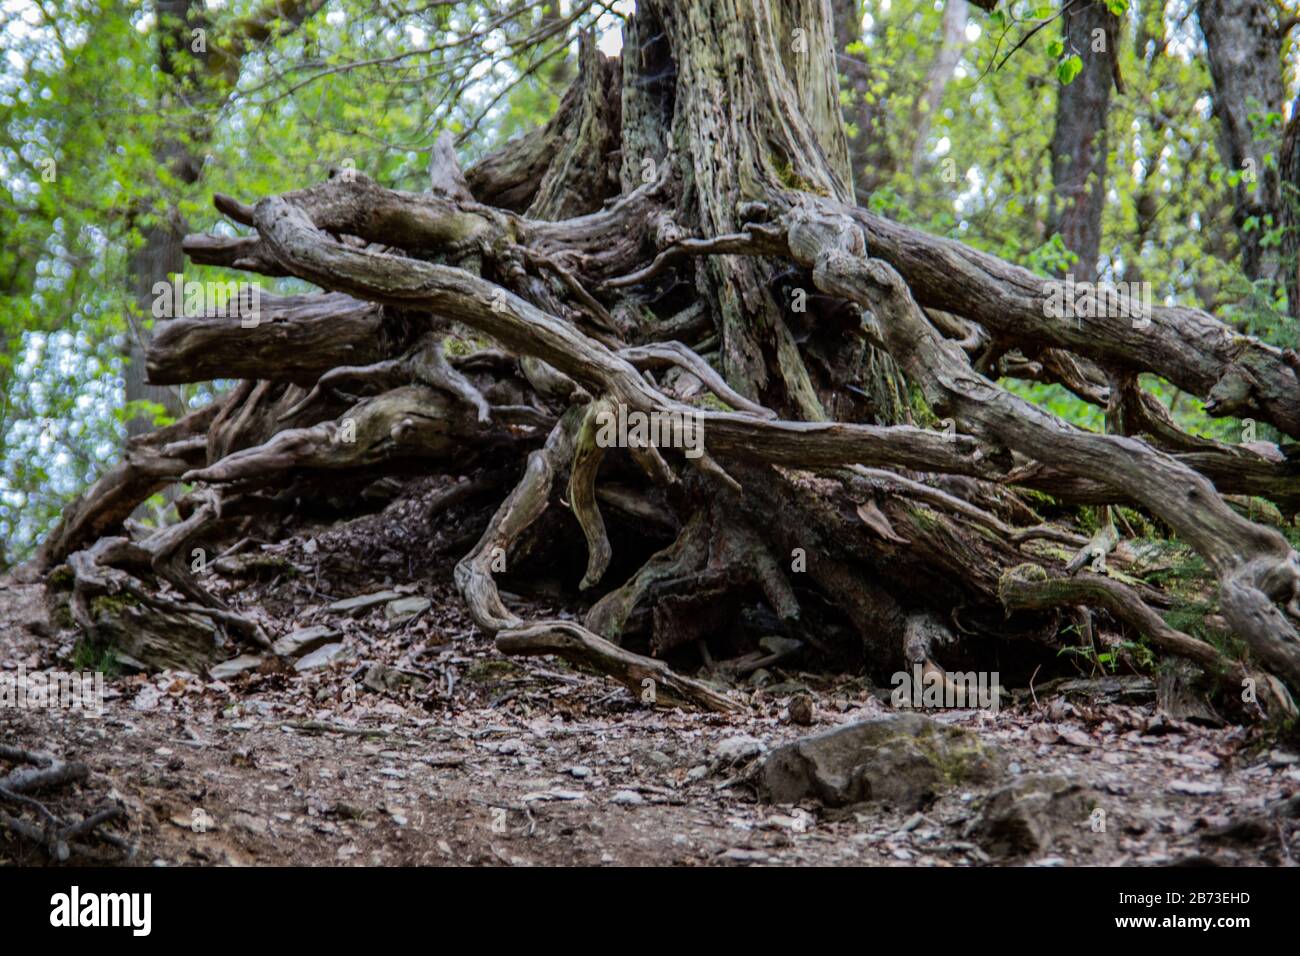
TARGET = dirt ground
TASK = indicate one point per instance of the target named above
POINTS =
(448, 754)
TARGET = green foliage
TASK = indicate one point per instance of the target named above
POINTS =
(1068, 68)
(89, 656)
(1168, 217)
(1181, 568)
(99, 144)
(1139, 656)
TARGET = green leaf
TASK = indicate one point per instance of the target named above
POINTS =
(1069, 68)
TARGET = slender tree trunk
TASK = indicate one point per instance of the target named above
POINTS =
(952, 42)
(1079, 142)
(159, 254)
(1244, 50)
(212, 68)
(869, 158)
(1289, 213)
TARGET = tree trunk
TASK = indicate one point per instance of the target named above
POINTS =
(1079, 142)
(1289, 213)
(159, 254)
(207, 72)
(1243, 47)
(951, 44)
(869, 156)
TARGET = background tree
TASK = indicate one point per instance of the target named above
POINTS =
(1243, 46)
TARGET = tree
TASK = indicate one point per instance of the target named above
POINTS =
(200, 78)
(1243, 45)
(780, 349)
(1088, 37)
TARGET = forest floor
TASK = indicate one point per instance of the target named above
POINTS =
(417, 743)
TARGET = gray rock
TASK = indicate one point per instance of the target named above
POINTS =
(904, 761)
(1031, 814)
(786, 688)
(321, 657)
(405, 608)
(775, 644)
(628, 798)
(735, 749)
(738, 854)
(654, 760)
(246, 821)
(383, 679)
(1195, 788)
(236, 665)
(303, 640)
(360, 603)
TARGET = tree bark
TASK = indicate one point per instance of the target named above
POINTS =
(1079, 140)
(159, 254)
(1244, 51)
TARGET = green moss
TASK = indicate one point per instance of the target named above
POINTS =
(61, 578)
(457, 347)
(1191, 618)
(925, 416)
(1292, 533)
(1137, 521)
(711, 401)
(1186, 571)
(1040, 497)
(792, 180)
(112, 605)
(957, 762)
(924, 518)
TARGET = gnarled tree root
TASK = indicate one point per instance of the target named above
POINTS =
(62, 839)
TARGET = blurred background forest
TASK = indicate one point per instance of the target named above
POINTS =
(113, 140)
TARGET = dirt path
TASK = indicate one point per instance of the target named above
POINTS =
(500, 763)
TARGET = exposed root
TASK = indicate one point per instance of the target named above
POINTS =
(587, 455)
(650, 680)
(826, 527)
(35, 772)
(1030, 587)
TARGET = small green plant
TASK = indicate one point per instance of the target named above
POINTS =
(1139, 654)
(90, 656)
